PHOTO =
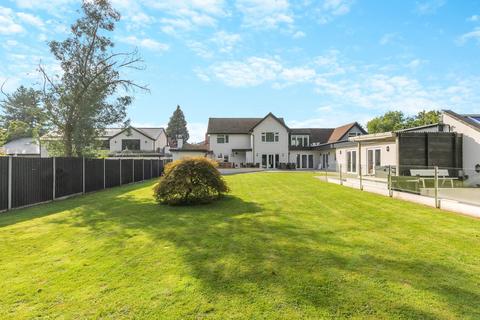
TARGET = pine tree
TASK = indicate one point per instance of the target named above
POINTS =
(22, 114)
(177, 126)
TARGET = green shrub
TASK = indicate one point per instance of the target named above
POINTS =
(190, 181)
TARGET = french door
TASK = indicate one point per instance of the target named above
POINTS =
(270, 161)
(304, 161)
(373, 160)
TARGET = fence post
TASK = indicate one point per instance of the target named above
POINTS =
(104, 174)
(390, 193)
(120, 171)
(54, 167)
(437, 204)
(10, 167)
(151, 168)
(133, 170)
(143, 169)
(326, 175)
(83, 158)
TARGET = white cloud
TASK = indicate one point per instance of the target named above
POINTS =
(188, 14)
(225, 41)
(429, 7)
(251, 72)
(265, 14)
(298, 35)
(146, 43)
(347, 83)
(297, 74)
(472, 35)
(389, 38)
(200, 49)
(8, 25)
(415, 63)
(332, 8)
(221, 42)
(474, 18)
(31, 19)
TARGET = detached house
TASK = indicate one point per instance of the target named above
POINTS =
(124, 141)
(269, 143)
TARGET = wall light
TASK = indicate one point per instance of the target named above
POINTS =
(388, 148)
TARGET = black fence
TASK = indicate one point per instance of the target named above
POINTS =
(27, 181)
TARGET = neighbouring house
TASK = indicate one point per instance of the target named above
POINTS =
(403, 150)
(24, 147)
(188, 150)
(130, 141)
(269, 143)
(469, 126)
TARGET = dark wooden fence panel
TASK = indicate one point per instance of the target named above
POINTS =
(127, 171)
(148, 169)
(428, 149)
(32, 181)
(155, 168)
(94, 174)
(3, 183)
(138, 165)
(112, 173)
(68, 176)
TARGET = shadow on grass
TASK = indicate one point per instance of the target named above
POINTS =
(239, 248)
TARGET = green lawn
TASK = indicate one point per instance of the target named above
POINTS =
(282, 245)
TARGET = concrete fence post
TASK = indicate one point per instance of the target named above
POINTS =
(83, 178)
(54, 167)
(10, 167)
(435, 183)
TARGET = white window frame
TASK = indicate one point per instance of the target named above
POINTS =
(222, 138)
(300, 140)
(276, 137)
(352, 164)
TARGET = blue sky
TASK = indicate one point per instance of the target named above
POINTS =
(315, 63)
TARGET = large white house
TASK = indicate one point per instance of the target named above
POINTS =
(269, 143)
(124, 141)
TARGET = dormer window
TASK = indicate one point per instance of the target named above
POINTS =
(222, 138)
(270, 136)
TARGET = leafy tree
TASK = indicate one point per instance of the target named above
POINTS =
(90, 94)
(424, 118)
(22, 114)
(190, 181)
(178, 126)
(390, 121)
(396, 120)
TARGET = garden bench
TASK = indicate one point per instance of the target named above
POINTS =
(423, 175)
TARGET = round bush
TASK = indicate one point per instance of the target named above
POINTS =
(190, 181)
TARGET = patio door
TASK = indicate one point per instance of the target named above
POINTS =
(373, 160)
(270, 161)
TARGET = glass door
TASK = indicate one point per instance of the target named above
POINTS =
(264, 160)
(271, 164)
(370, 161)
